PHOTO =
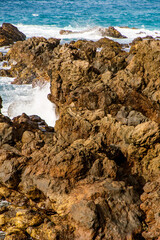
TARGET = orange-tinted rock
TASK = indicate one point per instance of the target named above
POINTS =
(84, 178)
(65, 32)
(150, 205)
(32, 58)
(10, 34)
(111, 32)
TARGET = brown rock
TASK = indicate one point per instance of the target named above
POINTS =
(13, 234)
(109, 168)
(150, 205)
(32, 59)
(6, 132)
(83, 180)
(10, 34)
(1, 56)
(65, 32)
(111, 32)
(6, 73)
(138, 85)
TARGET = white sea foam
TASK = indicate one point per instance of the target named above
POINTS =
(2, 65)
(4, 50)
(134, 33)
(18, 99)
(35, 15)
(90, 33)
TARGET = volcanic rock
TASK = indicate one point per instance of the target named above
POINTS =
(1, 56)
(111, 32)
(65, 32)
(10, 34)
(96, 174)
(31, 58)
(150, 205)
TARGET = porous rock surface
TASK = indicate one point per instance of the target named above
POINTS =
(10, 34)
(96, 174)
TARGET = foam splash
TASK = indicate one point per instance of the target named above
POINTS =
(6, 65)
(4, 50)
(35, 104)
(35, 15)
(89, 33)
(18, 99)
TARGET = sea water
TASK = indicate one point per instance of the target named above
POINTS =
(133, 18)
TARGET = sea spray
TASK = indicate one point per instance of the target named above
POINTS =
(18, 99)
(87, 32)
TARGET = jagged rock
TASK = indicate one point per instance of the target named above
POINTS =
(138, 84)
(150, 205)
(65, 32)
(6, 130)
(83, 179)
(6, 73)
(66, 89)
(1, 56)
(32, 57)
(130, 117)
(111, 32)
(10, 34)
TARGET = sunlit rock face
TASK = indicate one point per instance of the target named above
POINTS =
(10, 34)
(92, 175)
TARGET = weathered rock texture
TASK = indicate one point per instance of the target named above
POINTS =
(111, 32)
(84, 179)
(30, 59)
(10, 34)
(150, 205)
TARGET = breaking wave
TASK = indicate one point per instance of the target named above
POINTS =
(18, 99)
(88, 32)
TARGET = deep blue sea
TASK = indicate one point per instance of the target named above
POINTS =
(82, 13)
(47, 17)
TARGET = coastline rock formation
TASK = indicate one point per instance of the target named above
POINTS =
(10, 34)
(111, 32)
(96, 174)
(30, 58)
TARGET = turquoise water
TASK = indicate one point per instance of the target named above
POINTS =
(76, 13)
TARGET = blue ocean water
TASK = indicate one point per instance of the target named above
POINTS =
(81, 13)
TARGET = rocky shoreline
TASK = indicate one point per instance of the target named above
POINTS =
(96, 174)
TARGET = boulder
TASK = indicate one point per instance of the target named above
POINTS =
(10, 34)
(111, 32)
(65, 32)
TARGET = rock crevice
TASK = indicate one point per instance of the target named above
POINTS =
(95, 174)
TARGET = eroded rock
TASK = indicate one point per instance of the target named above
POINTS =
(111, 32)
(10, 34)
(150, 205)
(84, 178)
